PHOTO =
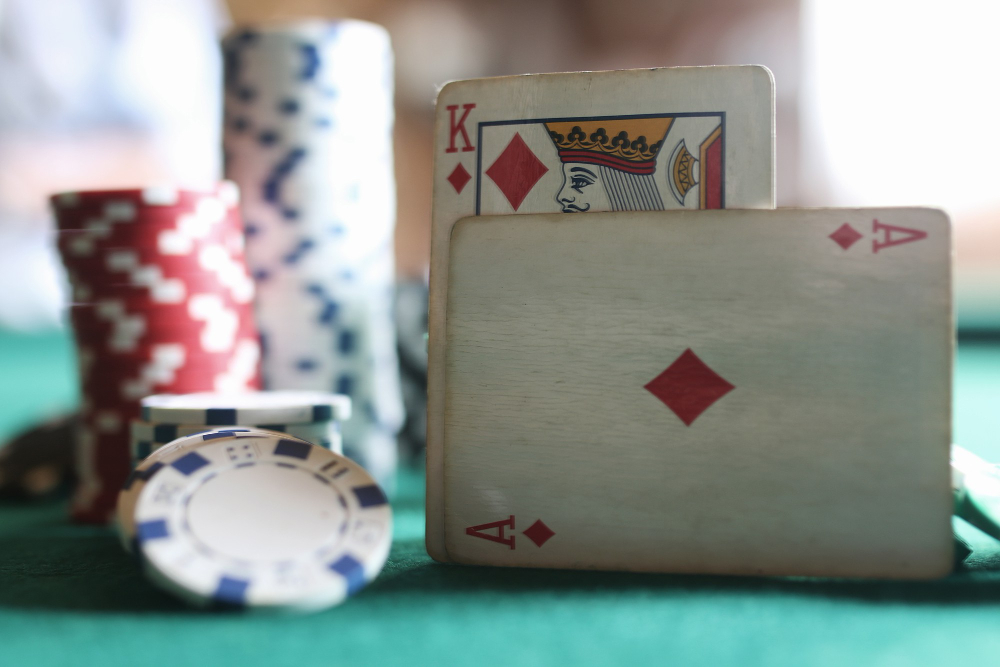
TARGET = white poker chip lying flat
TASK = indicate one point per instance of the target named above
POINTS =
(260, 407)
(146, 437)
(263, 521)
(152, 464)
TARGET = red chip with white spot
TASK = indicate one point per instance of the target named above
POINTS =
(162, 303)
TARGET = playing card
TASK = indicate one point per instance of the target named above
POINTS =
(738, 392)
(661, 139)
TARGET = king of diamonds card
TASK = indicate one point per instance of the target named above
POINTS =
(638, 140)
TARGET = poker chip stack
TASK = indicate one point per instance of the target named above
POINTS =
(308, 129)
(309, 416)
(161, 302)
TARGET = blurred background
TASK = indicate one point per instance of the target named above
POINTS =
(881, 102)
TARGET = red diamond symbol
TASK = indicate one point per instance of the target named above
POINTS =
(846, 236)
(688, 387)
(458, 177)
(539, 533)
(516, 171)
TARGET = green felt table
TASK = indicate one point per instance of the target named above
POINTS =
(69, 594)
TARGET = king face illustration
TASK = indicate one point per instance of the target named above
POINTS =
(610, 164)
(623, 163)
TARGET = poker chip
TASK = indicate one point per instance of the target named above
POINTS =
(148, 437)
(265, 407)
(308, 138)
(130, 199)
(262, 521)
(162, 302)
(129, 494)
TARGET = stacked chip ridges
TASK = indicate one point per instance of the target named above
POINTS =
(162, 301)
(308, 138)
(312, 416)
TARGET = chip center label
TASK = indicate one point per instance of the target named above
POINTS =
(266, 512)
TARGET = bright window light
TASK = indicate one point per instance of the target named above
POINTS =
(902, 103)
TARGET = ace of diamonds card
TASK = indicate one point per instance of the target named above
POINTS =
(734, 392)
(634, 140)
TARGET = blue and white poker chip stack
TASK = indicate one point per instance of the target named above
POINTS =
(308, 132)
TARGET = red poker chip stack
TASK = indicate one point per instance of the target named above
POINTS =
(161, 303)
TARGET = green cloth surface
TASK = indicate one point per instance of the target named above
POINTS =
(69, 595)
